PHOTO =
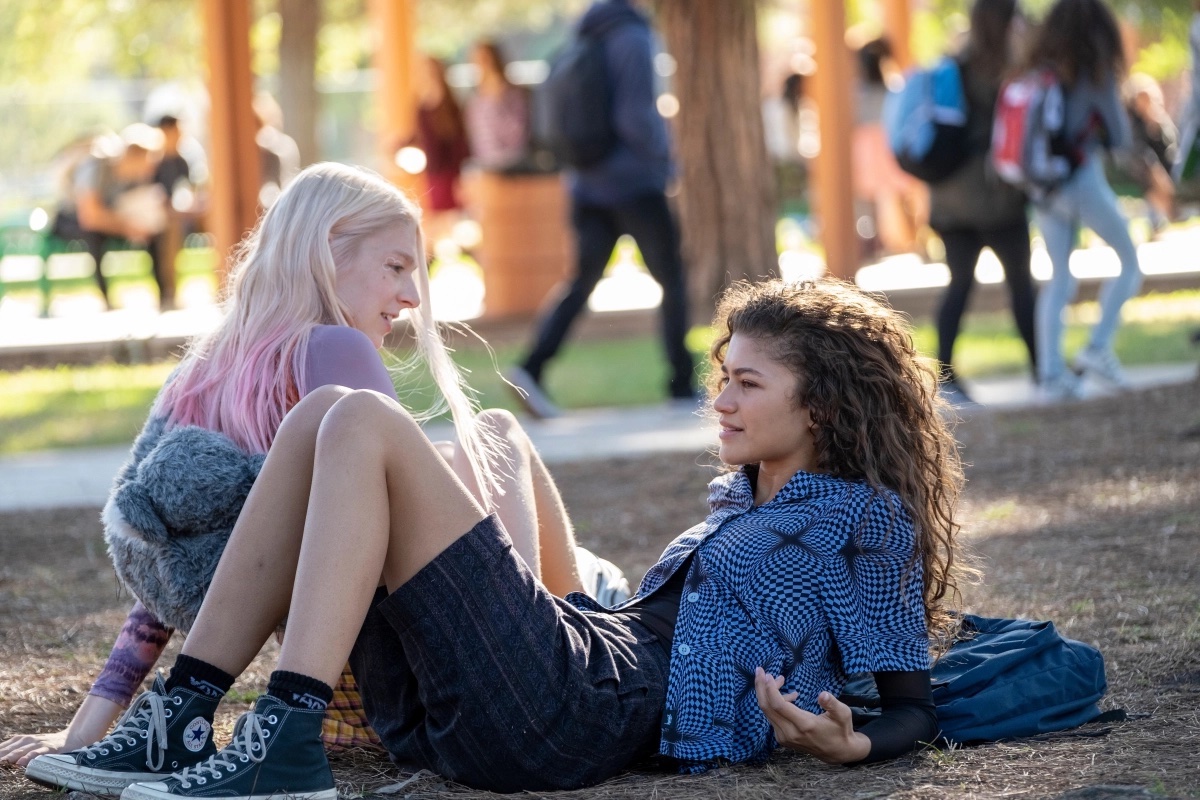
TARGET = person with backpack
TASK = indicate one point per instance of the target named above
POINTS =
(620, 162)
(972, 208)
(1078, 46)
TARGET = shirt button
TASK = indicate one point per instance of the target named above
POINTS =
(693, 597)
(684, 649)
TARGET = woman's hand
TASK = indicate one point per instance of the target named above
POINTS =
(21, 749)
(90, 723)
(829, 736)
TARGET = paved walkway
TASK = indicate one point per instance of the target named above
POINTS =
(82, 477)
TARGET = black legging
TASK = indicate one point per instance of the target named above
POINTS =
(648, 219)
(963, 246)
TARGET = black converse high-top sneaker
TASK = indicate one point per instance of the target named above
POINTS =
(276, 752)
(159, 734)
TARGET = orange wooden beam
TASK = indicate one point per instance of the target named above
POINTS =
(897, 27)
(394, 24)
(833, 92)
(234, 159)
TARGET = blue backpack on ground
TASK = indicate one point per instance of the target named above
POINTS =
(573, 107)
(926, 122)
(1010, 678)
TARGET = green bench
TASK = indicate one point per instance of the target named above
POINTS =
(39, 260)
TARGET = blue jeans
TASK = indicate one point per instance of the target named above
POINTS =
(1086, 199)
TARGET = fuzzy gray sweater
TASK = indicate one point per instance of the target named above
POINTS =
(170, 513)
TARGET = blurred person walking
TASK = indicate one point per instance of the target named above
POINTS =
(1079, 42)
(972, 208)
(899, 203)
(623, 193)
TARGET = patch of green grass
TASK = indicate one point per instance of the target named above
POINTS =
(999, 511)
(1155, 331)
(68, 406)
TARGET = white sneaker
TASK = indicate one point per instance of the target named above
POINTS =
(603, 581)
(1062, 387)
(530, 393)
(1104, 365)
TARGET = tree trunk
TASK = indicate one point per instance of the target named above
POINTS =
(297, 70)
(726, 185)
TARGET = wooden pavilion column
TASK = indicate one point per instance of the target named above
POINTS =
(833, 92)
(234, 161)
(897, 27)
(394, 23)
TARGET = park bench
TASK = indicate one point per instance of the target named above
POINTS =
(32, 258)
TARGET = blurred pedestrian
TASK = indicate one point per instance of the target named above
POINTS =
(173, 175)
(898, 202)
(497, 118)
(624, 193)
(101, 202)
(1187, 157)
(1151, 157)
(279, 155)
(972, 208)
(781, 128)
(1080, 43)
(442, 136)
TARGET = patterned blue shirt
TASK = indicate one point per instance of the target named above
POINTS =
(813, 585)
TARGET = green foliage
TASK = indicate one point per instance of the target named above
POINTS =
(448, 27)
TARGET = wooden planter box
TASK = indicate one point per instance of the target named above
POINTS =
(527, 244)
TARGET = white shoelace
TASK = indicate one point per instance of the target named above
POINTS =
(249, 744)
(144, 718)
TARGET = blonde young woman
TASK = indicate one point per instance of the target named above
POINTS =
(315, 289)
(829, 549)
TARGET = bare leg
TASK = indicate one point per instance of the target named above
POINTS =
(252, 586)
(556, 535)
(516, 508)
(381, 495)
(531, 508)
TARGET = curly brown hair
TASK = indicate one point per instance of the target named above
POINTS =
(874, 402)
(1079, 39)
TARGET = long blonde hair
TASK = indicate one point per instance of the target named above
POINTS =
(244, 376)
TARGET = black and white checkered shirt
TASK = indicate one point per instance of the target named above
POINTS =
(813, 585)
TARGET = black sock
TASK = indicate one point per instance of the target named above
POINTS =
(199, 677)
(299, 691)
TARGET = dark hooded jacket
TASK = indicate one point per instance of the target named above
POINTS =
(641, 162)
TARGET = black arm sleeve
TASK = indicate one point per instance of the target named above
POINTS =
(909, 716)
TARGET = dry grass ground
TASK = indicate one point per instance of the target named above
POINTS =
(1086, 514)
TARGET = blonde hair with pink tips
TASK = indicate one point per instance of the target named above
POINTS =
(243, 377)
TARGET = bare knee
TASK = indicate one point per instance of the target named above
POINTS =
(501, 423)
(367, 416)
(312, 408)
(506, 428)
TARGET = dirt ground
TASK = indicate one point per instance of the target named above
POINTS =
(1086, 514)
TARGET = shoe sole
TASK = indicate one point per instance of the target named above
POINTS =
(71, 776)
(148, 791)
